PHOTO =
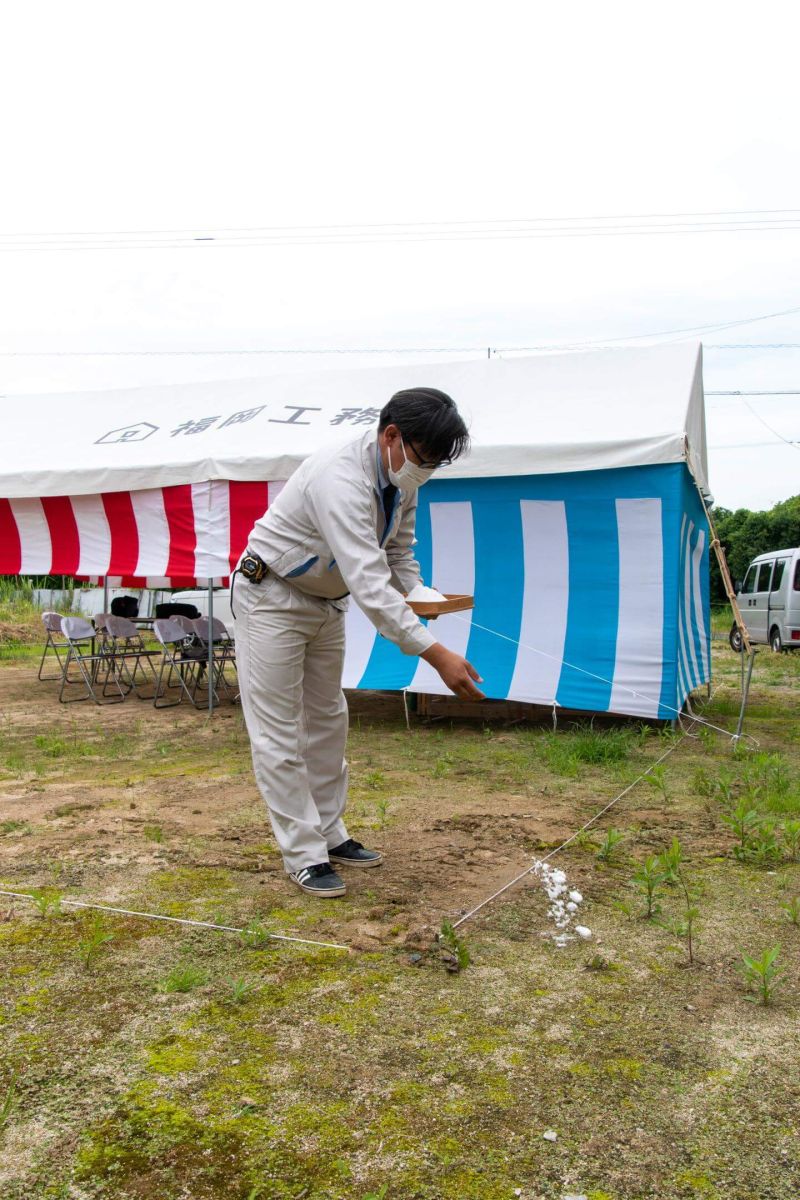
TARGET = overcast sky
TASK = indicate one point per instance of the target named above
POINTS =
(203, 118)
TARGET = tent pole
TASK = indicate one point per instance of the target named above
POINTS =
(210, 646)
(722, 563)
(745, 690)
(105, 593)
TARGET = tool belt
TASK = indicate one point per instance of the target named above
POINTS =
(255, 570)
(253, 567)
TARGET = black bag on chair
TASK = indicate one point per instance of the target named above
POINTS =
(175, 609)
(125, 606)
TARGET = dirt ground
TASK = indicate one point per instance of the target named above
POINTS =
(378, 1073)
(124, 769)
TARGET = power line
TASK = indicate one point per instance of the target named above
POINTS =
(751, 445)
(262, 243)
(333, 350)
(398, 233)
(668, 332)
(254, 351)
(789, 442)
(192, 232)
(504, 221)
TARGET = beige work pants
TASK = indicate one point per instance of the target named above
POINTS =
(289, 658)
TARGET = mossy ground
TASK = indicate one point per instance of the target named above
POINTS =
(287, 1072)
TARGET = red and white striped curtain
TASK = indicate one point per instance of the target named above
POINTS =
(168, 537)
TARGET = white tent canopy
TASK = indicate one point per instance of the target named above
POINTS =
(527, 416)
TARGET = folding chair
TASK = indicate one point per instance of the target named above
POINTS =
(93, 665)
(123, 645)
(192, 644)
(100, 620)
(52, 624)
(186, 623)
(222, 652)
(178, 660)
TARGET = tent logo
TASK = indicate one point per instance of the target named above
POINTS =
(129, 433)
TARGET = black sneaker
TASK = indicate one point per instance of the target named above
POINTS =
(319, 880)
(353, 854)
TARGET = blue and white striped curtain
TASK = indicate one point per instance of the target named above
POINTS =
(591, 590)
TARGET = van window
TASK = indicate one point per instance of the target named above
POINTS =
(764, 576)
(777, 578)
(749, 582)
(796, 584)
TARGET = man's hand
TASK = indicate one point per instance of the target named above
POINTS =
(455, 671)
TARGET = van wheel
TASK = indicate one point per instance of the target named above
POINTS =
(735, 639)
(775, 640)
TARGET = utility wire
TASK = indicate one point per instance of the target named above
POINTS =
(749, 445)
(255, 244)
(545, 346)
(794, 444)
(528, 228)
(504, 221)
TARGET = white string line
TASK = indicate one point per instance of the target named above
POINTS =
(590, 822)
(591, 674)
(126, 912)
(576, 834)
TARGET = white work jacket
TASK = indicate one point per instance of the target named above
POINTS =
(327, 535)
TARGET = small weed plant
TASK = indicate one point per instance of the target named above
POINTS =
(455, 947)
(763, 848)
(792, 909)
(790, 834)
(703, 784)
(657, 778)
(442, 767)
(47, 901)
(762, 975)
(184, 978)
(153, 833)
(650, 878)
(240, 990)
(255, 935)
(685, 926)
(97, 936)
(668, 867)
(610, 844)
(13, 826)
(670, 860)
(743, 820)
(724, 788)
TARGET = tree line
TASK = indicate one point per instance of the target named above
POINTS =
(745, 534)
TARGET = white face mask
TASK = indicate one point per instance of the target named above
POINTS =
(410, 476)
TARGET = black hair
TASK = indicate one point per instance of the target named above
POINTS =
(429, 420)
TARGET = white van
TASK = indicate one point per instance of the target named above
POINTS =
(769, 600)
